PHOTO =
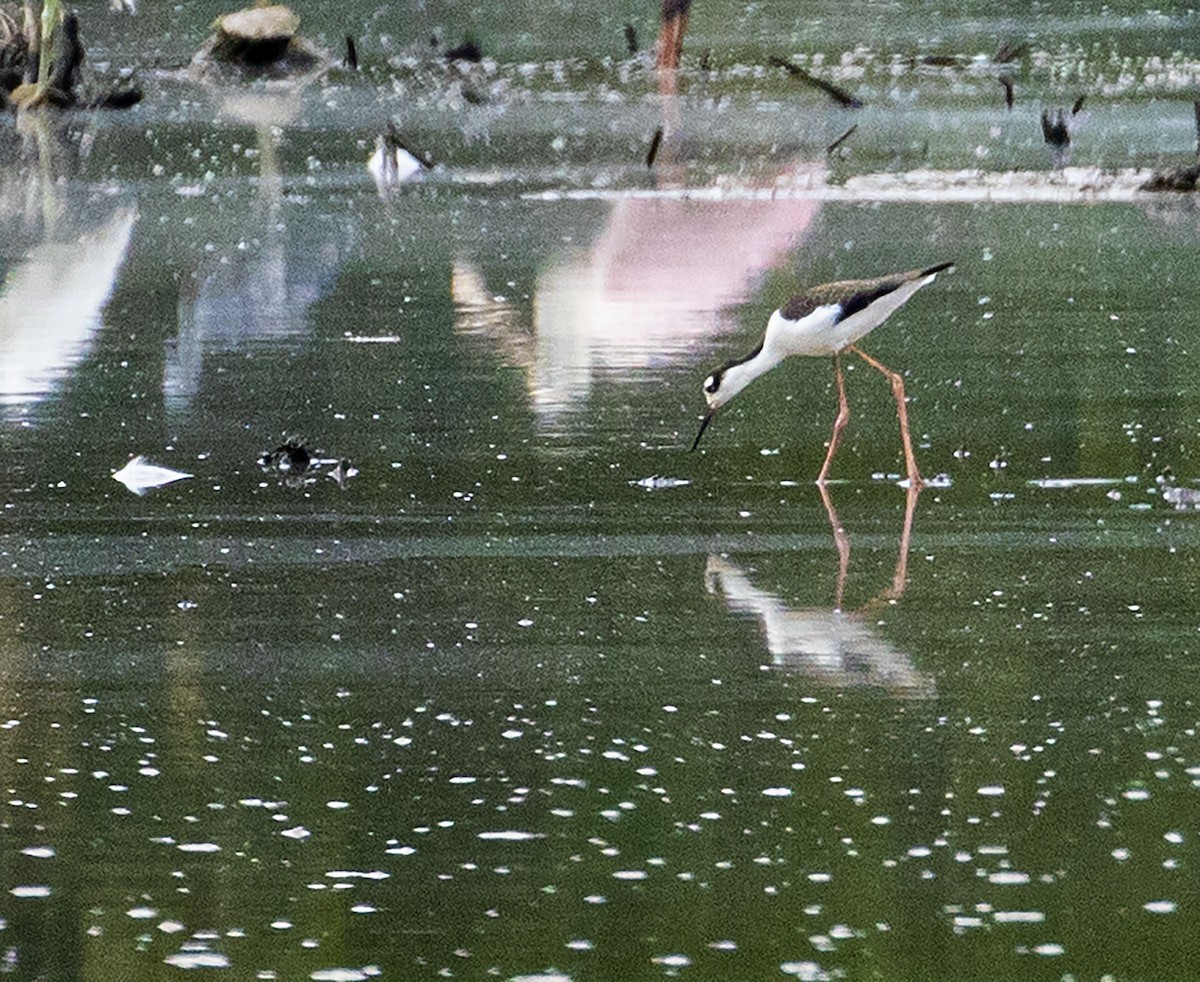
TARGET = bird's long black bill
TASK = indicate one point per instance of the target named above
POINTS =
(703, 426)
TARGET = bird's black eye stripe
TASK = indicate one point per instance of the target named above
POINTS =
(713, 382)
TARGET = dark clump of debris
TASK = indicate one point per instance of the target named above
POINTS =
(469, 50)
(258, 42)
(1184, 178)
(1177, 179)
(297, 466)
(25, 83)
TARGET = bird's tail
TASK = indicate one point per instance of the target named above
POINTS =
(937, 269)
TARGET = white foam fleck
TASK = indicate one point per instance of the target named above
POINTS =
(39, 852)
(510, 835)
(198, 959)
(805, 971)
(198, 847)
(1018, 917)
(1008, 877)
(32, 891)
(1161, 906)
(778, 792)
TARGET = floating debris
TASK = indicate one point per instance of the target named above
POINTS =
(838, 94)
(290, 457)
(342, 472)
(656, 483)
(1182, 179)
(469, 50)
(258, 42)
(296, 465)
(140, 476)
(1178, 178)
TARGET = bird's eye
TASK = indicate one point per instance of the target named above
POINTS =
(712, 383)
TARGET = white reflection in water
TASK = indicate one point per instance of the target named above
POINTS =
(836, 647)
(651, 286)
(263, 278)
(50, 302)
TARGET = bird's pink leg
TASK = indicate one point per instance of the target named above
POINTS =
(839, 424)
(897, 380)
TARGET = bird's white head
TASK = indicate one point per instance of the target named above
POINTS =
(726, 382)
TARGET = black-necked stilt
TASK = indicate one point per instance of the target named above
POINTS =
(825, 321)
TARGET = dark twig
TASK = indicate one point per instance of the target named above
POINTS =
(655, 143)
(631, 39)
(841, 139)
(838, 94)
(351, 54)
(1007, 82)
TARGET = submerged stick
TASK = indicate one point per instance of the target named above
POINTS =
(838, 94)
(655, 143)
(1007, 82)
(631, 44)
(841, 139)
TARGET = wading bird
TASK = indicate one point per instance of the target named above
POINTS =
(825, 321)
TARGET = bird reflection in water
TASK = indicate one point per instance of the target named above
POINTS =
(832, 646)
